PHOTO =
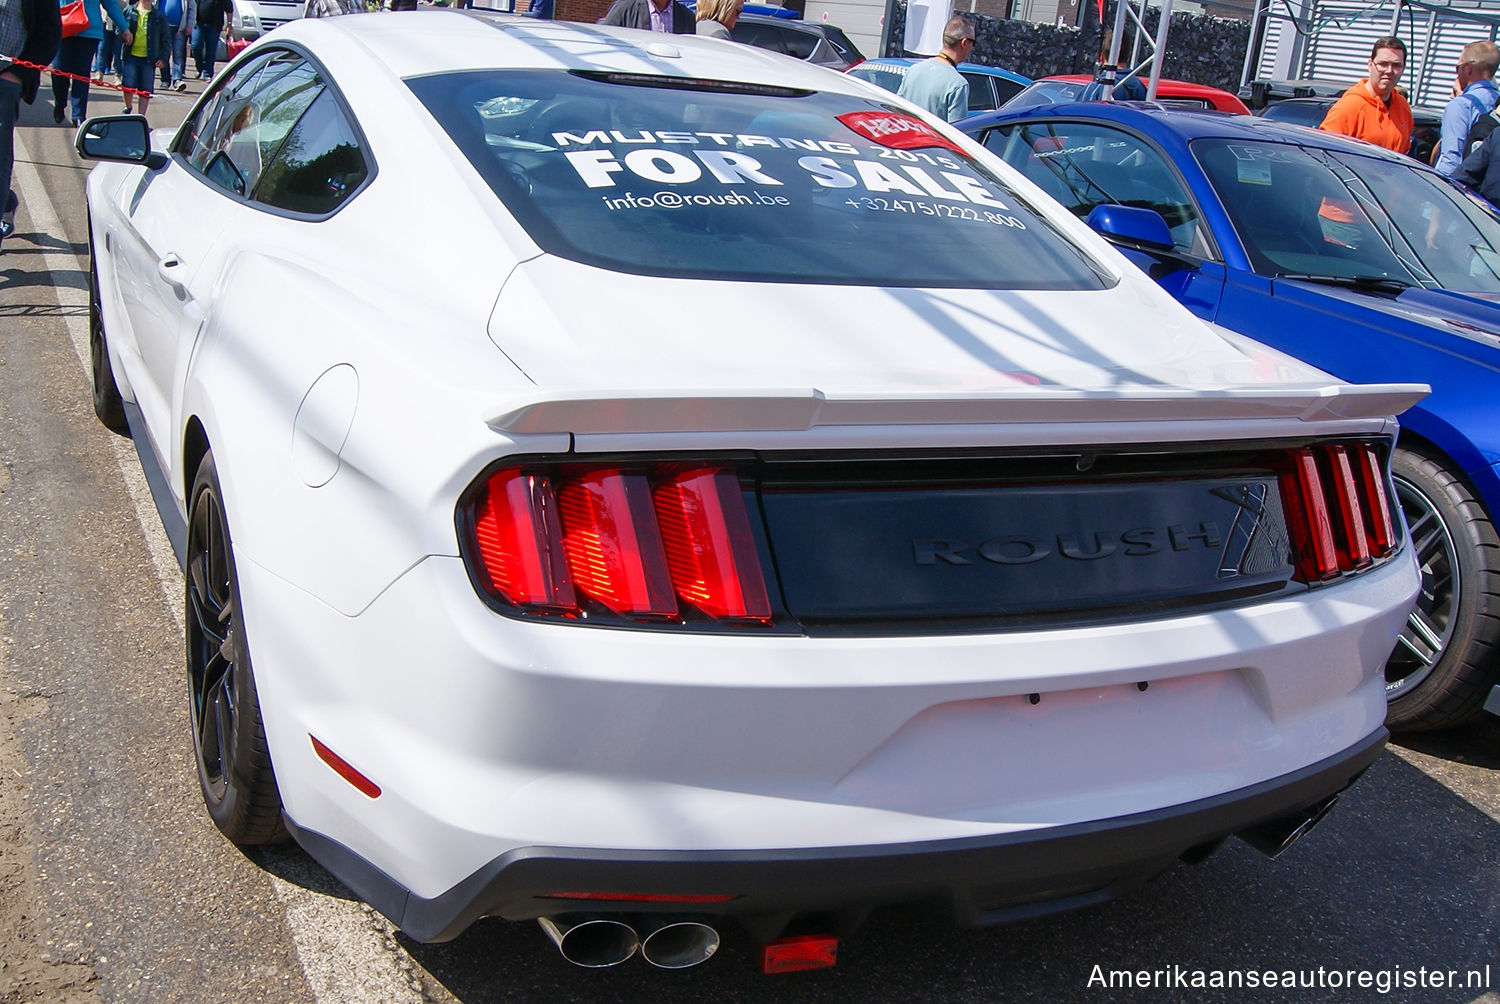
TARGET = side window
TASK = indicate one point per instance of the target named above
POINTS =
(285, 90)
(241, 129)
(981, 92)
(319, 164)
(750, 33)
(1005, 90)
(1083, 165)
(195, 140)
(798, 43)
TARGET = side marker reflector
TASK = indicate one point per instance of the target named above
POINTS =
(796, 954)
(342, 769)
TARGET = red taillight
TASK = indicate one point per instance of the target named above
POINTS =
(557, 538)
(1307, 519)
(710, 549)
(1337, 510)
(799, 953)
(1353, 549)
(1380, 529)
(519, 538)
(613, 546)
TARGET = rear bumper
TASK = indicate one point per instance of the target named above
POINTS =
(977, 881)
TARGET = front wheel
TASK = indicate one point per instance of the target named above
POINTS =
(229, 738)
(109, 406)
(1446, 658)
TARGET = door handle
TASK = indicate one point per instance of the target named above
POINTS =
(170, 268)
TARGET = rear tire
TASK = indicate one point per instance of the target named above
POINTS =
(1446, 660)
(229, 738)
(109, 406)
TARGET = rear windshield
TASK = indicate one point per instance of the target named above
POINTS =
(708, 180)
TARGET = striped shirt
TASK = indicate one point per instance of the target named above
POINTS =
(12, 28)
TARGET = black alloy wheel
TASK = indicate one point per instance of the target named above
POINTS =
(229, 741)
(109, 407)
(1448, 655)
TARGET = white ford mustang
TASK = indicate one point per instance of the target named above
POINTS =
(621, 478)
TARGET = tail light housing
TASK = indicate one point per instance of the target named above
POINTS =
(667, 542)
(1338, 511)
(655, 543)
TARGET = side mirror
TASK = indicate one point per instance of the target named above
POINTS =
(1133, 227)
(124, 138)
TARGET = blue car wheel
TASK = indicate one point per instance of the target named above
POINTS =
(1446, 660)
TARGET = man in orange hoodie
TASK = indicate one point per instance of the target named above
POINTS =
(1373, 110)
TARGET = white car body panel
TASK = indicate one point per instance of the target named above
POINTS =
(863, 731)
(355, 375)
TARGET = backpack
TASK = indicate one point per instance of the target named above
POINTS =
(1479, 131)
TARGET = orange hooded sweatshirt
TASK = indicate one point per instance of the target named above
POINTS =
(1359, 113)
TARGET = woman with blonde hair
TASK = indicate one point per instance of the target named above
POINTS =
(716, 17)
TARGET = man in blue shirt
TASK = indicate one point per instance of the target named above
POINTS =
(935, 83)
(181, 15)
(1478, 95)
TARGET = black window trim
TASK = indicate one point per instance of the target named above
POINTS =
(330, 86)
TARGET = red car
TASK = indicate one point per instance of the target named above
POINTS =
(1176, 93)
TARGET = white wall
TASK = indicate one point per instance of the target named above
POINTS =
(860, 20)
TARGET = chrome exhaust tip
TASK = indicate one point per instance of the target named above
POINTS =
(1275, 836)
(669, 942)
(589, 941)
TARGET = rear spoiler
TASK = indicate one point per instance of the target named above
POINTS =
(591, 412)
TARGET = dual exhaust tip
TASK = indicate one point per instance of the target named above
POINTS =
(597, 942)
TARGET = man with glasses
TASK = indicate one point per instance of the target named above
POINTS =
(1477, 97)
(1373, 110)
(935, 83)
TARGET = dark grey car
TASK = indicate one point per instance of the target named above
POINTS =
(813, 41)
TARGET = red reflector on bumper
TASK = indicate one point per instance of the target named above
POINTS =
(342, 769)
(793, 955)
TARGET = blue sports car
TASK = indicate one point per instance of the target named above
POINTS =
(1362, 262)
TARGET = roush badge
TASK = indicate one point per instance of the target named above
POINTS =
(897, 131)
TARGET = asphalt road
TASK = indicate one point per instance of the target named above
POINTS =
(117, 887)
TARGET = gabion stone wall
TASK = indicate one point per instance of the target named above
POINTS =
(1200, 48)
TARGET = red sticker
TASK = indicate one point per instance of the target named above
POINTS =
(897, 131)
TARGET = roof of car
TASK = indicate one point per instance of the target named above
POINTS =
(1179, 88)
(1151, 118)
(1215, 97)
(965, 67)
(793, 23)
(417, 43)
(1429, 116)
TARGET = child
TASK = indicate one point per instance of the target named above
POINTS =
(149, 46)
